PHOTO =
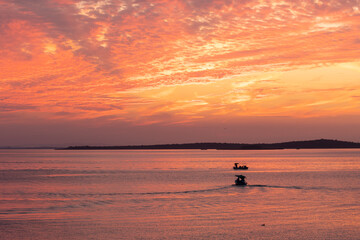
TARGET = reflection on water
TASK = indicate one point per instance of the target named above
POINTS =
(48, 194)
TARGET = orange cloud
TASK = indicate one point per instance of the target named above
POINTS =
(178, 61)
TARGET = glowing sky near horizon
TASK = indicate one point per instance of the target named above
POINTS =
(177, 63)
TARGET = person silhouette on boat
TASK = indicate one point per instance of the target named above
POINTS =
(240, 180)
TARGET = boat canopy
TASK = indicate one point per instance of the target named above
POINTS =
(240, 176)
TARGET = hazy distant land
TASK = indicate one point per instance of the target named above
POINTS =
(310, 144)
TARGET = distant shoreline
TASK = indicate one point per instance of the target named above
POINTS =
(310, 144)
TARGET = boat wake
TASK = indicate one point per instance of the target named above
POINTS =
(58, 195)
(71, 195)
(298, 187)
(181, 192)
(269, 186)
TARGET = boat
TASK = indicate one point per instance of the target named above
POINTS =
(240, 181)
(240, 167)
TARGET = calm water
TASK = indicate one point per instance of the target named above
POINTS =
(297, 194)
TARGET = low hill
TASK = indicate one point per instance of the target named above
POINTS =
(311, 144)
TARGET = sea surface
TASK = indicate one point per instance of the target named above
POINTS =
(179, 194)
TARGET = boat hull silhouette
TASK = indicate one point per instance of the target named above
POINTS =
(240, 181)
(240, 167)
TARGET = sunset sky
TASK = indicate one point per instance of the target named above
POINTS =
(118, 72)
